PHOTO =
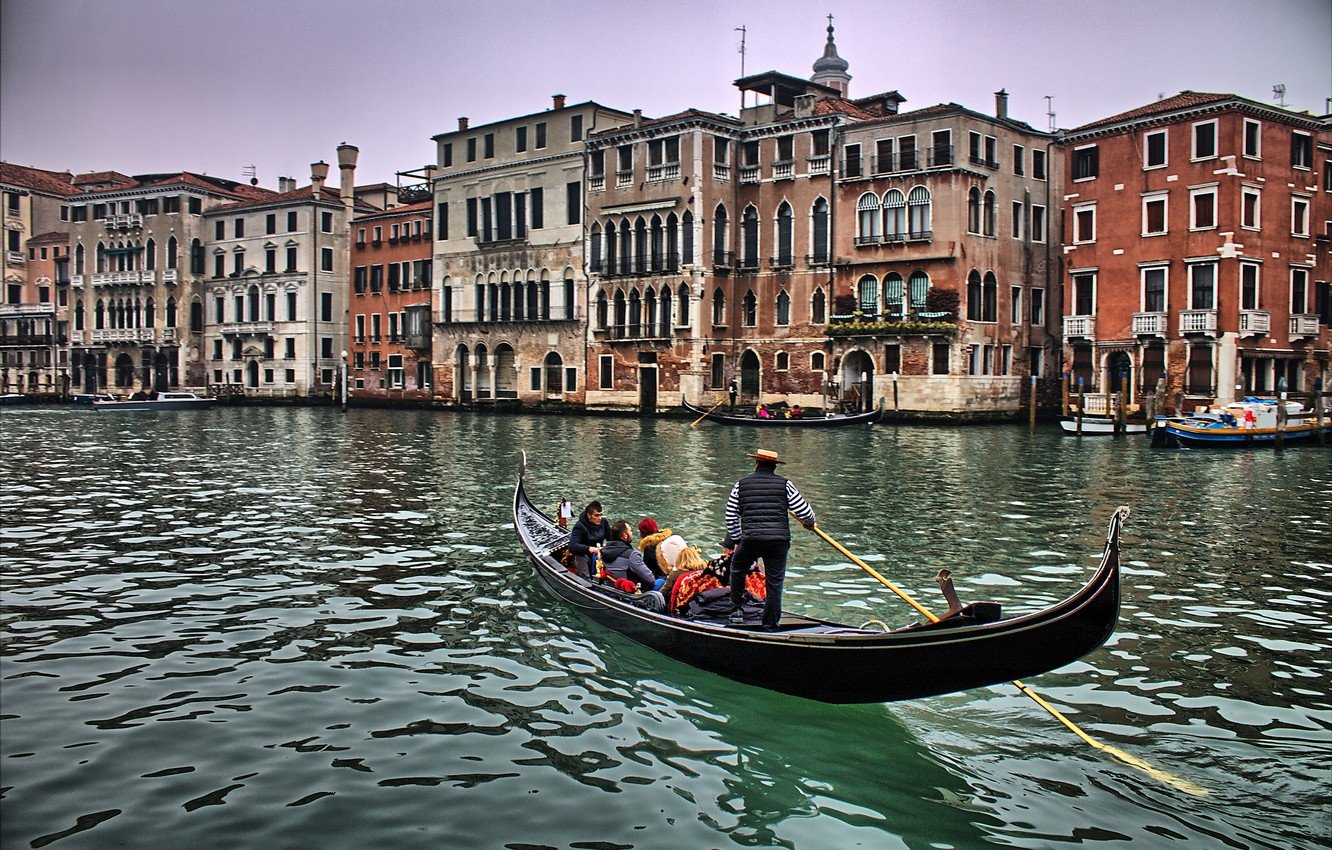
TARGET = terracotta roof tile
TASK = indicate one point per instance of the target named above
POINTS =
(832, 106)
(37, 179)
(49, 237)
(1183, 100)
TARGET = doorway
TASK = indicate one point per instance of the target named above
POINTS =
(749, 377)
(647, 389)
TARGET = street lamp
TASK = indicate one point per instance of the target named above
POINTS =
(344, 380)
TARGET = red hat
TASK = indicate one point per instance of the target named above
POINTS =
(647, 526)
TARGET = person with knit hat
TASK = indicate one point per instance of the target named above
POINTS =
(622, 560)
(649, 537)
(757, 512)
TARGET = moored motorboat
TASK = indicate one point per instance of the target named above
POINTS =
(831, 420)
(11, 398)
(1252, 421)
(176, 400)
(836, 662)
(1096, 426)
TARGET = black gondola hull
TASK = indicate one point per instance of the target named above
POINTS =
(840, 420)
(836, 663)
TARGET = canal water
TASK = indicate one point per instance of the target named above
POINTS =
(273, 627)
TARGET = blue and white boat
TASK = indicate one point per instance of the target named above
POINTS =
(1252, 421)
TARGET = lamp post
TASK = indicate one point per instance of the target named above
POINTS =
(344, 380)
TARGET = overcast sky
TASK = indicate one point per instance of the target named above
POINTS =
(142, 86)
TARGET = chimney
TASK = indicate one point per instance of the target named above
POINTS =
(1001, 104)
(462, 123)
(286, 184)
(318, 174)
(347, 166)
(559, 100)
(638, 118)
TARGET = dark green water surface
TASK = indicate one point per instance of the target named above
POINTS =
(298, 628)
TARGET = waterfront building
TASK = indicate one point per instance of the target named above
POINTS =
(510, 313)
(136, 280)
(390, 305)
(34, 216)
(947, 259)
(1192, 254)
(277, 271)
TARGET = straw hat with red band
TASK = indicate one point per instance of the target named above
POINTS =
(765, 456)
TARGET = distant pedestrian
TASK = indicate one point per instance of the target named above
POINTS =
(756, 520)
(565, 513)
(732, 391)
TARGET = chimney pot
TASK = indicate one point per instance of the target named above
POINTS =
(638, 118)
(559, 100)
(347, 155)
(1001, 104)
(462, 123)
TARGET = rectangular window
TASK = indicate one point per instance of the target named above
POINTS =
(1250, 207)
(818, 143)
(1036, 357)
(906, 153)
(520, 139)
(270, 260)
(1154, 289)
(270, 223)
(219, 265)
(939, 358)
(974, 147)
(1253, 138)
(941, 147)
(489, 145)
(1038, 307)
(1249, 279)
(1299, 292)
(471, 149)
(326, 348)
(717, 376)
(883, 156)
(571, 379)
(575, 128)
(1017, 220)
(291, 222)
(219, 230)
(721, 150)
(538, 199)
(991, 152)
(1084, 224)
(1038, 164)
(540, 135)
(1015, 305)
(194, 205)
(326, 222)
(1086, 162)
(1154, 214)
(750, 153)
(471, 217)
(1202, 286)
(851, 163)
(1154, 146)
(291, 258)
(1037, 222)
(442, 219)
(1019, 160)
(325, 306)
(326, 259)
(1204, 140)
(1202, 208)
(534, 378)
(289, 347)
(1301, 150)
(1299, 216)
(606, 371)
(892, 359)
(1084, 294)
(573, 201)
(240, 227)
(291, 306)
(447, 156)
(219, 309)
(217, 349)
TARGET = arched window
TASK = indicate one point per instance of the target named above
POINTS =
(520, 290)
(783, 308)
(79, 259)
(718, 308)
(566, 299)
(785, 236)
(78, 315)
(974, 296)
(612, 265)
(684, 304)
(635, 314)
(171, 258)
(720, 238)
(150, 254)
(196, 316)
(171, 312)
(665, 312)
(894, 215)
(602, 310)
(918, 213)
(867, 218)
(917, 285)
(101, 257)
(657, 257)
(196, 257)
(649, 311)
(894, 295)
(149, 313)
(594, 248)
(621, 316)
(640, 245)
(479, 293)
(990, 299)
(819, 216)
(868, 296)
(817, 361)
(492, 297)
(750, 309)
(687, 237)
(99, 316)
(626, 248)
(990, 227)
(818, 307)
(973, 211)
(538, 294)
(672, 243)
(750, 259)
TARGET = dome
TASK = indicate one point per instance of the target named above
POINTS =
(830, 61)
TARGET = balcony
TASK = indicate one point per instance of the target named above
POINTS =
(1197, 322)
(723, 259)
(1303, 325)
(721, 171)
(247, 327)
(120, 278)
(124, 221)
(596, 183)
(42, 309)
(1255, 323)
(170, 335)
(633, 333)
(749, 264)
(171, 276)
(814, 260)
(76, 280)
(749, 174)
(14, 258)
(664, 171)
(106, 335)
(1080, 327)
(782, 262)
(783, 170)
(624, 179)
(468, 316)
(1151, 324)
(821, 164)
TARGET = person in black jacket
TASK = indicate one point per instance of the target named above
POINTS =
(588, 534)
(622, 560)
(756, 520)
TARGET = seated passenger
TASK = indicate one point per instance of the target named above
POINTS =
(649, 537)
(588, 534)
(621, 560)
(796, 412)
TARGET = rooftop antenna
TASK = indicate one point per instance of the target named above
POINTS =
(743, 33)
(1049, 111)
(1279, 94)
(251, 172)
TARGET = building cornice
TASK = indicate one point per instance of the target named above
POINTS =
(1176, 116)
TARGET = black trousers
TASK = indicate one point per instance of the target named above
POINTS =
(773, 553)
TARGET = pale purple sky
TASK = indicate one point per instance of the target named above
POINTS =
(142, 86)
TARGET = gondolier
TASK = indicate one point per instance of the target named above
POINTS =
(756, 518)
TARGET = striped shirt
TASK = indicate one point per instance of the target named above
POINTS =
(794, 502)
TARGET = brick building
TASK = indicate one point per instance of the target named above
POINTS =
(1191, 250)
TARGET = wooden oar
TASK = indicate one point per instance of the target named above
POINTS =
(1132, 761)
(705, 415)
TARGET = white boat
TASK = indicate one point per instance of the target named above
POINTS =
(1095, 426)
(163, 401)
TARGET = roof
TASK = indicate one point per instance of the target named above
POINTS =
(545, 112)
(426, 206)
(676, 118)
(37, 179)
(833, 106)
(305, 194)
(782, 88)
(48, 237)
(113, 180)
(1183, 100)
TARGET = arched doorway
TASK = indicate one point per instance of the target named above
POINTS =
(90, 373)
(252, 374)
(857, 380)
(749, 377)
(462, 375)
(554, 375)
(124, 371)
(1119, 375)
(161, 372)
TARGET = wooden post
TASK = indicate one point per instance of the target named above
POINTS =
(1318, 405)
(897, 411)
(1281, 422)
(1150, 403)
(1119, 412)
(1063, 401)
(1031, 414)
(1080, 406)
(1179, 404)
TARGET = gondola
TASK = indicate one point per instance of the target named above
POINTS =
(839, 663)
(835, 420)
